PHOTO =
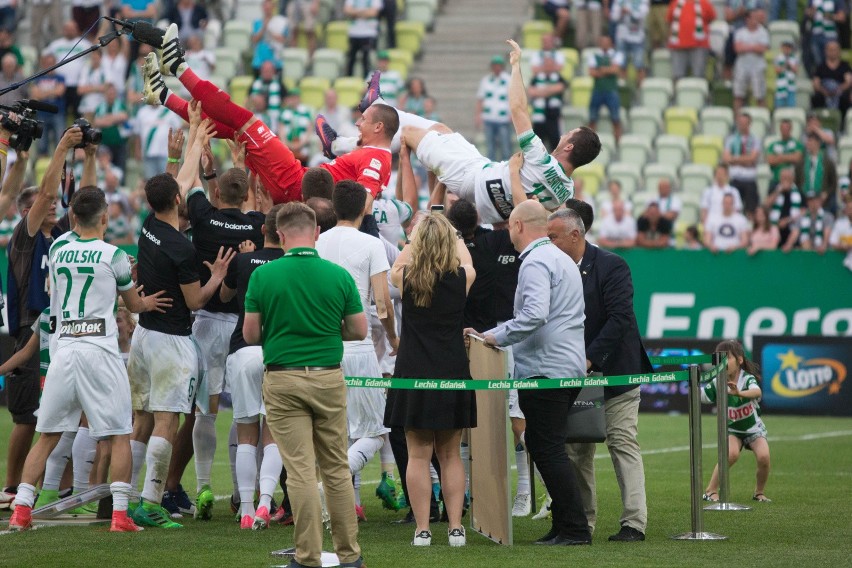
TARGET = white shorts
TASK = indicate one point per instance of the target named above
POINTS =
(244, 372)
(380, 341)
(454, 161)
(163, 371)
(213, 333)
(514, 407)
(365, 407)
(89, 379)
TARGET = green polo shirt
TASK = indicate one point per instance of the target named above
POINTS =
(302, 300)
(779, 147)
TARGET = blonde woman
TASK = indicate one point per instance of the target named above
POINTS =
(434, 274)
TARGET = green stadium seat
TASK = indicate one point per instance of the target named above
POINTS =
(707, 149)
(227, 61)
(328, 63)
(661, 63)
(236, 35)
(635, 149)
(295, 60)
(804, 92)
(532, 30)
(337, 35)
(672, 150)
(574, 117)
(721, 95)
(349, 90)
(409, 36)
(695, 178)
(681, 121)
(717, 121)
(313, 91)
(760, 120)
(780, 30)
(656, 92)
(640, 200)
(581, 91)
(796, 116)
(691, 92)
(605, 124)
(764, 176)
(41, 168)
(572, 62)
(653, 173)
(646, 120)
(592, 176)
(690, 213)
(608, 148)
(239, 88)
(627, 174)
(30, 56)
(401, 61)
(830, 118)
(421, 11)
(844, 150)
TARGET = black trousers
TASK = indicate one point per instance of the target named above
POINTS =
(363, 45)
(548, 130)
(748, 194)
(547, 432)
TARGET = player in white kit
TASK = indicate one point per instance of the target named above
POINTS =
(87, 274)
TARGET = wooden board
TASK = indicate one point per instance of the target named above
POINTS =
(491, 505)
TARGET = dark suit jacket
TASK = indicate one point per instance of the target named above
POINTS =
(613, 344)
(199, 14)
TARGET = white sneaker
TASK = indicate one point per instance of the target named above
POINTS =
(457, 537)
(422, 538)
(522, 506)
(171, 54)
(544, 512)
(154, 91)
(6, 500)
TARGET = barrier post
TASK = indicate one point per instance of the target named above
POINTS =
(722, 432)
(697, 512)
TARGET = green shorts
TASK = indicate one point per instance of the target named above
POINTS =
(747, 438)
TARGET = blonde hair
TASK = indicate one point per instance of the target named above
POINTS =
(433, 254)
(128, 315)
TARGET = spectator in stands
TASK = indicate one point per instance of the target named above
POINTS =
(50, 89)
(296, 125)
(146, 10)
(545, 92)
(45, 21)
(605, 67)
(85, 14)
(268, 85)
(8, 14)
(711, 199)
(303, 19)
(841, 234)
(741, 154)
(337, 116)
(492, 111)
(112, 118)
(114, 64)
(429, 110)
(750, 43)
(764, 235)
(630, 16)
(824, 16)
(8, 223)
(689, 36)
(560, 12)
(658, 27)
(735, 15)
(617, 230)
(414, 96)
(151, 125)
(814, 226)
(10, 73)
(549, 50)
(785, 152)
(388, 14)
(257, 105)
(613, 194)
(120, 229)
(267, 43)
(813, 125)
(670, 205)
(588, 23)
(202, 61)
(66, 46)
(653, 230)
(832, 81)
(791, 10)
(726, 232)
(363, 32)
(105, 167)
(92, 85)
(391, 82)
(189, 15)
(7, 45)
(786, 66)
(785, 204)
(692, 239)
(820, 173)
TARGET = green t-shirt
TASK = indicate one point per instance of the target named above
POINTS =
(780, 147)
(743, 413)
(302, 300)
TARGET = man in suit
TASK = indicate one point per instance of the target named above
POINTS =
(613, 347)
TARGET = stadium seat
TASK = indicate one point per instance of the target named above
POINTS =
(656, 92)
(41, 168)
(760, 120)
(295, 60)
(721, 95)
(780, 30)
(581, 92)
(661, 64)
(608, 148)
(672, 150)
(236, 35)
(695, 178)
(795, 115)
(629, 175)
(653, 173)
(313, 91)
(327, 63)
(532, 30)
(227, 62)
(804, 92)
(640, 200)
(337, 35)
(830, 118)
(719, 32)
(239, 88)
(635, 149)
(681, 121)
(646, 120)
(844, 151)
(30, 56)
(707, 149)
(691, 92)
(764, 176)
(400, 61)
(605, 124)
(572, 63)
(349, 90)
(592, 176)
(574, 117)
(717, 121)
(409, 36)
(690, 213)
(420, 11)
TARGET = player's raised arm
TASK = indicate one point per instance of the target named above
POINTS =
(189, 177)
(517, 93)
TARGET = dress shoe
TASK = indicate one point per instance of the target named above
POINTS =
(548, 537)
(628, 534)
(559, 540)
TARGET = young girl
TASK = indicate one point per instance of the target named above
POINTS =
(126, 324)
(745, 428)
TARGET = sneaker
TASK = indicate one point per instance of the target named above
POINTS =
(327, 136)
(544, 512)
(261, 519)
(235, 505)
(359, 512)
(154, 91)
(246, 522)
(183, 502)
(22, 518)
(628, 534)
(171, 55)
(46, 497)
(122, 523)
(373, 91)
(152, 515)
(422, 538)
(88, 510)
(401, 502)
(204, 504)
(386, 491)
(283, 516)
(406, 520)
(522, 506)
(457, 537)
(169, 504)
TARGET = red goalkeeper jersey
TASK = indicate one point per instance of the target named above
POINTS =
(368, 165)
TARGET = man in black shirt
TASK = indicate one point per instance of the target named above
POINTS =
(163, 363)
(653, 230)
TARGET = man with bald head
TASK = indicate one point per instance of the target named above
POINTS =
(547, 334)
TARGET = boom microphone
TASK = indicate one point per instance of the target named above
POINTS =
(143, 32)
(39, 105)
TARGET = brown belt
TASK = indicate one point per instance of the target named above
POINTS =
(274, 368)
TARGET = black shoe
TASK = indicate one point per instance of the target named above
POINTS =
(559, 540)
(548, 537)
(435, 515)
(628, 534)
(406, 520)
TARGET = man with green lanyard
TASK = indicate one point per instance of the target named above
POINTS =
(785, 152)
(294, 307)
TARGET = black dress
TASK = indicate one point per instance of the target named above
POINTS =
(431, 346)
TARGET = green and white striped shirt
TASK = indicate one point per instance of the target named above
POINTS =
(494, 94)
(743, 413)
(785, 82)
(297, 121)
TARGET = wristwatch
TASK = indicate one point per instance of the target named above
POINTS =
(211, 175)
